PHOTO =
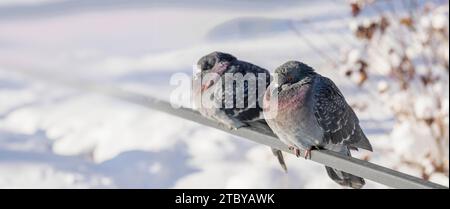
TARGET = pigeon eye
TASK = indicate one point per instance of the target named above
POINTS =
(289, 78)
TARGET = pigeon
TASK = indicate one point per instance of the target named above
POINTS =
(212, 91)
(312, 113)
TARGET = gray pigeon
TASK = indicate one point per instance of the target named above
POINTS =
(235, 116)
(312, 114)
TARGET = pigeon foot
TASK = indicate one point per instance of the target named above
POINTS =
(307, 154)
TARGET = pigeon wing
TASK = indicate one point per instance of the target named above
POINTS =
(251, 95)
(336, 118)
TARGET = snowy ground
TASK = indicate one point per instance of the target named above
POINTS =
(57, 137)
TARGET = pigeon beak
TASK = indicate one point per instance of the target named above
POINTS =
(197, 69)
(196, 76)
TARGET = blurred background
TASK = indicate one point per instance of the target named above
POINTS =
(389, 57)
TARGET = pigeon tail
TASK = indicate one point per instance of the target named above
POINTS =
(363, 142)
(276, 152)
(280, 158)
(343, 178)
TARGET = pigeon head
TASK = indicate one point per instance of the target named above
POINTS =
(293, 72)
(213, 66)
(208, 62)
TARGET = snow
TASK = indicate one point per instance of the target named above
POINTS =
(25, 2)
(425, 106)
(58, 137)
(417, 146)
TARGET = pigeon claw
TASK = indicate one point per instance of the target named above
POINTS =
(307, 154)
(234, 125)
(297, 152)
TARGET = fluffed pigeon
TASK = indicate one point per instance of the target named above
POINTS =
(234, 117)
(313, 114)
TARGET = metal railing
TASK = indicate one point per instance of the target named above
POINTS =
(256, 132)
